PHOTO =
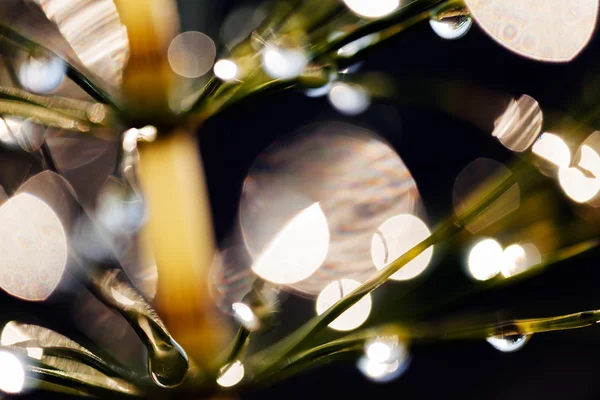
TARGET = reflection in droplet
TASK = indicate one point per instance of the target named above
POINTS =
(534, 30)
(508, 343)
(519, 258)
(283, 63)
(372, 8)
(553, 149)
(353, 317)
(520, 125)
(452, 27)
(485, 260)
(226, 70)
(474, 183)
(349, 98)
(12, 373)
(362, 183)
(43, 74)
(231, 374)
(33, 245)
(395, 237)
(245, 316)
(192, 54)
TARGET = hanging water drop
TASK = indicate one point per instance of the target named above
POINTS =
(508, 343)
(167, 361)
(451, 27)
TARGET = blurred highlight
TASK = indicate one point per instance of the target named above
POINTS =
(353, 317)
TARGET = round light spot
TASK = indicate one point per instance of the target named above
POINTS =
(353, 317)
(298, 250)
(245, 316)
(553, 149)
(372, 8)
(283, 63)
(231, 374)
(395, 237)
(191, 54)
(348, 98)
(226, 70)
(12, 374)
(485, 260)
(42, 75)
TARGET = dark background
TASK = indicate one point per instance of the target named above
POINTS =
(435, 145)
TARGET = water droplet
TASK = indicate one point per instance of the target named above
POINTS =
(508, 343)
(167, 361)
(120, 208)
(42, 74)
(451, 28)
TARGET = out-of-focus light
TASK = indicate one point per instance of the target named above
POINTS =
(35, 352)
(226, 70)
(383, 350)
(357, 45)
(298, 250)
(192, 54)
(582, 183)
(120, 209)
(33, 245)
(382, 372)
(353, 317)
(42, 75)
(94, 31)
(485, 260)
(451, 28)
(533, 30)
(520, 125)
(362, 183)
(552, 148)
(283, 63)
(12, 373)
(509, 343)
(372, 8)
(379, 351)
(519, 258)
(577, 185)
(245, 316)
(348, 98)
(395, 237)
(231, 374)
(29, 135)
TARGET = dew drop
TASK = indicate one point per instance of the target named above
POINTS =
(451, 28)
(508, 343)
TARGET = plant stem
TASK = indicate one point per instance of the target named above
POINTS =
(268, 358)
(237, 348)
